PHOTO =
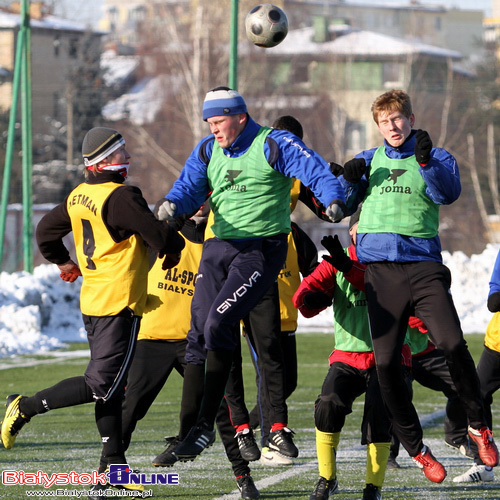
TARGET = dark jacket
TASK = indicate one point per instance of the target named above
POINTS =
(125, 213)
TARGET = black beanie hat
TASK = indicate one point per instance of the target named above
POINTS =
(99, 143)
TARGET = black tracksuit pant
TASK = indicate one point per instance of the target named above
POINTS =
(263, 327)
(232, 279)
(153, 363)
(112, 342)
(394, 292)
(431, 371)
(261, 413)
(488, 370)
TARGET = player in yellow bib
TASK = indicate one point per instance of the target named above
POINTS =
(111, 225)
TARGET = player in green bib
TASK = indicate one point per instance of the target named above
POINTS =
(402, 185)
(248, 170)
(340, 278)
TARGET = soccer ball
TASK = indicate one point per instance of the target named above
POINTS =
(266, 25)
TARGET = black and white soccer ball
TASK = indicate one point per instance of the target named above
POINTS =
(266, 25)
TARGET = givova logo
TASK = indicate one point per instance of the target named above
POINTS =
(120, 474)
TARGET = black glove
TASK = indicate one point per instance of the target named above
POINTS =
(177, 223)
(336, 169)
(169, 260)
(317, 300)
(337, 257)
(494, 302)
(354, 170)
(423, 147)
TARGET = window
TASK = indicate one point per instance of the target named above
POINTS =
(57, 45)
(138, 13)
(391, 75)
(356, 136)
(73, 48)
(300, 72)
(55, 105)
(364, 75)
(113, 14)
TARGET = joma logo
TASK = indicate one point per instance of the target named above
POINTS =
(231, 175)
(395, 174)
(395, 189)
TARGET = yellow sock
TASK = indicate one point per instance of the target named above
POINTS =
(376, 462)
(326, 449)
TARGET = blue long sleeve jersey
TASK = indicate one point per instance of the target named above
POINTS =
(495, 277)
(285, 152)
(443, 187)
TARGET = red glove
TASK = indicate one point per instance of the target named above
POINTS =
(71, 275)
(415, 322)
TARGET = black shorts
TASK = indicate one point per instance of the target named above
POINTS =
(112, 342)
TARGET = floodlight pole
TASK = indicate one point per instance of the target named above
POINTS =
(233, 55)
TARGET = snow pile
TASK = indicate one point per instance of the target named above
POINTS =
(40, 312)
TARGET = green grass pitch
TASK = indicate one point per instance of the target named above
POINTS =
(66, 440)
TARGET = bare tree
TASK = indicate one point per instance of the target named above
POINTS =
(492, 168)
(447, 104)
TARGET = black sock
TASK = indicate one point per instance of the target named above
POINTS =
(216, 376)
(108, 416)
(69, 392)
(192, 393)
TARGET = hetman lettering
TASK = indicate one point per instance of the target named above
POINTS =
(81, 199)
(242, 290)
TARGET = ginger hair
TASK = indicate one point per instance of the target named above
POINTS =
(390, 102)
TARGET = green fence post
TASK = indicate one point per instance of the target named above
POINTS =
(27, 142)
(233, 54)
(10, 139)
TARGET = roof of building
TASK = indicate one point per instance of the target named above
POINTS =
(357, 43)
(9, 20)
(413, 6)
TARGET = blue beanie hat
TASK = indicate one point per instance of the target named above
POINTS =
(223, 101)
